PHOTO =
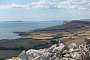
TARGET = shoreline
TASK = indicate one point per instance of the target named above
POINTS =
(44, 38)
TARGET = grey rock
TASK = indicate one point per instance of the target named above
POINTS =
(58, 52)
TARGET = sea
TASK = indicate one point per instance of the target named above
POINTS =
(8, 27)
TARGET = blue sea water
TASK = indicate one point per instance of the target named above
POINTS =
(7, 28)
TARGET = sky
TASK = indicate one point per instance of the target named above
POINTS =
(39, 10)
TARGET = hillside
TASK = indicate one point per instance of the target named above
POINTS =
(74, 25)
(73, 31)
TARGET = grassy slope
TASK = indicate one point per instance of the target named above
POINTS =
(14, 47)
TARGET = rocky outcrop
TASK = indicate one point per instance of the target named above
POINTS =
(58, 52)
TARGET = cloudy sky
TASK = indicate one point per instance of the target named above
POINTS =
(44, 9)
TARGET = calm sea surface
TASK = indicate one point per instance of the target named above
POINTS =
(6, 28)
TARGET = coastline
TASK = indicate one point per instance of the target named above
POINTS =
(17, 45)
(44, 38)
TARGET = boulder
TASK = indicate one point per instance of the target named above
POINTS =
(59, 52)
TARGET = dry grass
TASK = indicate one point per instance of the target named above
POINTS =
(77, 37)
(42, 35)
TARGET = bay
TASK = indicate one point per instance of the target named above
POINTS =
(8, 27)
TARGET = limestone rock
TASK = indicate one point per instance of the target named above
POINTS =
(59, 52)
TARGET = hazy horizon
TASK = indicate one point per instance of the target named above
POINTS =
(44, 10)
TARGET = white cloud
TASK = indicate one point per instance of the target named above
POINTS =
(40, 4)
(11, 6)
(65, 4)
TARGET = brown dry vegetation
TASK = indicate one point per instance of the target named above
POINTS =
(76, 37)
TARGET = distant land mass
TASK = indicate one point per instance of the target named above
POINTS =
(13, 21)
(42, 38)
(68, 26)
